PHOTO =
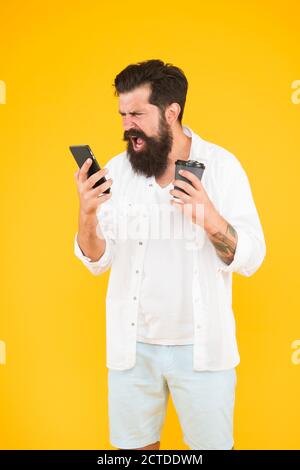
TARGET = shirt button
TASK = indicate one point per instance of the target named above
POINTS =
(137, 271)
(140, 243)
(150, 184)
(132, 324)
(198, 326)
(134, 298)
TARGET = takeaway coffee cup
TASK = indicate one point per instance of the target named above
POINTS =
(193, 166)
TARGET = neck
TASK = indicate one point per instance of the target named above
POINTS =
(181, 146)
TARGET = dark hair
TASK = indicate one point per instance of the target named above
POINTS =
(168, 83)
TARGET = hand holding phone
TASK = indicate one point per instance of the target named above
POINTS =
(81, 153)
(93, 188)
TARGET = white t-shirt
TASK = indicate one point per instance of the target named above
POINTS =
(165, 314)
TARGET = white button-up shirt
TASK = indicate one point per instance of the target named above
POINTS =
(123, 221)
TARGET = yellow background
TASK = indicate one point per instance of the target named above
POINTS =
(58, 61)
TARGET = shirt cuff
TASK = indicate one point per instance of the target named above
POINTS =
(94, 266)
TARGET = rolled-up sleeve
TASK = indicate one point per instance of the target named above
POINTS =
(99, 266)
(238, 208)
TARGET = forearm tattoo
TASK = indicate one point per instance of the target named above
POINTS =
(225, 244)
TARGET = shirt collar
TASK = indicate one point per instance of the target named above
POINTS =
(197, 151)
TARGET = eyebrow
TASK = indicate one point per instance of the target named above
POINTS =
(132, 112)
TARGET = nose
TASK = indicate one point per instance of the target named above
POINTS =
(128, 126)
(128, 123)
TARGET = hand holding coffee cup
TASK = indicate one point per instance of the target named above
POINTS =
(193, 166)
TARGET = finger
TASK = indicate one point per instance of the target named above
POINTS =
(193, 178)
(186, 186)
(177, 204)
(84, 170)
(184, 197)
(101, 188)
(95, 177)
(103, 196)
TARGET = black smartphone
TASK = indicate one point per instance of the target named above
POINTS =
(81, 153)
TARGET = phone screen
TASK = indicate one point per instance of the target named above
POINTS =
(81, 153)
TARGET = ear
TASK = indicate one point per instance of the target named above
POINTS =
(172, 112)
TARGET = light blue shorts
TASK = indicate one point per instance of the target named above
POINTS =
(138, 398)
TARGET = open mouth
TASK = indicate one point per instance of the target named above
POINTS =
(137, 142)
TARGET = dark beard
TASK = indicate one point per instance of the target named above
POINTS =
(152, 160)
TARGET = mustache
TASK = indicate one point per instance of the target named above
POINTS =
(134, 133)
